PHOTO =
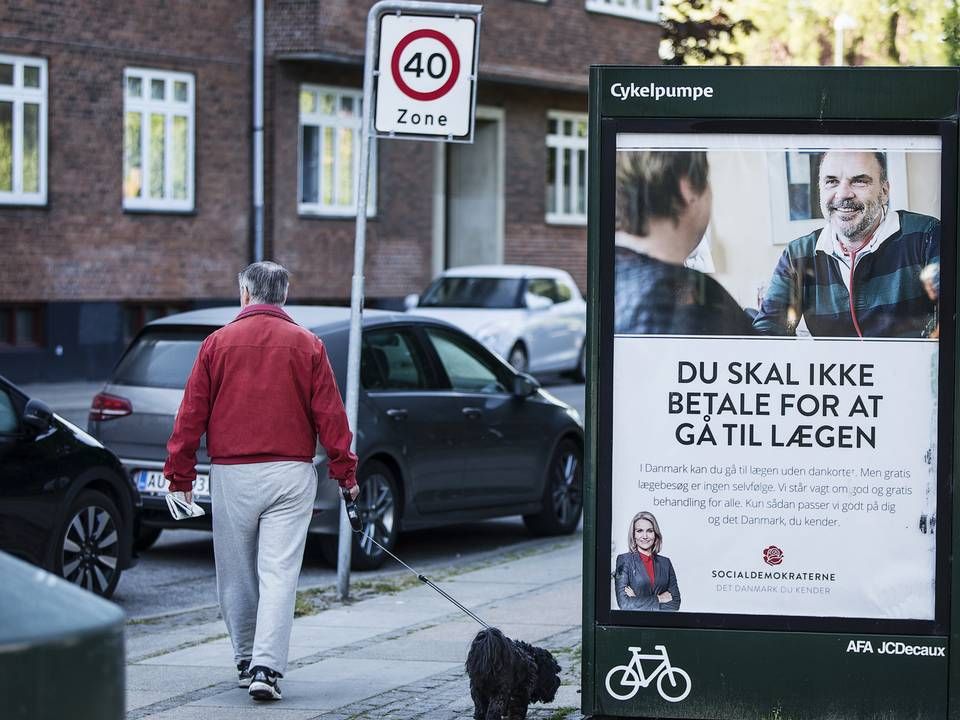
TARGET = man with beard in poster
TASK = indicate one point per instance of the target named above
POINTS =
(859, 275)
(664, 202)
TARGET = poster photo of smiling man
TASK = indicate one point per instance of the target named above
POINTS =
(863, 241)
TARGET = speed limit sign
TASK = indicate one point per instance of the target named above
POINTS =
(426, 76)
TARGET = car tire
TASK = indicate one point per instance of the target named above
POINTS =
(87, 549)
(518, 358)
(145, 538)
(379, 510)
(562, 493)
(580, 371)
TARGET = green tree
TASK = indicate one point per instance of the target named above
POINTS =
(951, 32)
(700, 32)
(801, 32)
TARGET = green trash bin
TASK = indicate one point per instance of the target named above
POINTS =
(61, 648)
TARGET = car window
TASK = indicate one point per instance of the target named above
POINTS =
(473, 292)
(467, 370)
(8, 416)
(388, 361)
(161, 357)
(563, 292)
(544, 287)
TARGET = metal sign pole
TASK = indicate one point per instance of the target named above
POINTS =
(356, 294)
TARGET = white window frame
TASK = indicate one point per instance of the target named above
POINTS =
(322, 120)
(168, 108)
(627, 8)
(557, 143)
(18, 95)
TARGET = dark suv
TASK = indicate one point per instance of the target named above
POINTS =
(66, 503)
(448, 432)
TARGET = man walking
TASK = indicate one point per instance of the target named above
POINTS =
(858, 276)
(263, 391)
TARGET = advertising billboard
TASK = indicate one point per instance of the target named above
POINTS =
(788, 389)
(773, 367)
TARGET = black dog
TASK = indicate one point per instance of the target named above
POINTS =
(507, 675)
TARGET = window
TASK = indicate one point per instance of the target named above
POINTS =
(637, 9)
(330, 121)
(388, 361)
(476, 292)
(466, 371)
(9, 423)
(543, 287)
(158, 144)
(567, 168)
(161, 358)
(21, 325)
(23, 130)
(136, 315)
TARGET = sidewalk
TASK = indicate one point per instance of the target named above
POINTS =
(395, 655)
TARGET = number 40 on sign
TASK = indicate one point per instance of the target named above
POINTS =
(426, 75)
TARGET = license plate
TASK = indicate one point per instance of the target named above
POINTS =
(152, 482)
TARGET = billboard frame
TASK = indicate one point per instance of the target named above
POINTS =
(743, 100)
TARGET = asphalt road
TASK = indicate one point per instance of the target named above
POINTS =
(178, 574)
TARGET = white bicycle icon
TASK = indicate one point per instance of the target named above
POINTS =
(631, 677)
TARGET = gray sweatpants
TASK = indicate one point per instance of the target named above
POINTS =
(261, 513)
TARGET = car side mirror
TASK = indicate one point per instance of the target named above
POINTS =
(410, 301)
(537, 302)
(38, 415)
(524, 385)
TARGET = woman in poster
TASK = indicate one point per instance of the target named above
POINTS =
(645, 579)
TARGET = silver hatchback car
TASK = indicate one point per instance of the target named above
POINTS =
(448, 432)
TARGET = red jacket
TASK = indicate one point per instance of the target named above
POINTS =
(262, 390)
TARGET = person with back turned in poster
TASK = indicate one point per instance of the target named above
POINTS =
(263, 391)
(859, 275)
(644, 579)
(664, 203)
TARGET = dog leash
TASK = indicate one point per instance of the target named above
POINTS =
(357, 526)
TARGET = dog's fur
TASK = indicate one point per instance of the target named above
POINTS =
(507, 675)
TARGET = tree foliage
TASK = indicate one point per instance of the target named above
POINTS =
(801, 32)
(951, 32)
(700, 32)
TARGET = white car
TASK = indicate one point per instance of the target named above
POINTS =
(535, 317)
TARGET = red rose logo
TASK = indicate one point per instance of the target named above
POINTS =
(772, 555)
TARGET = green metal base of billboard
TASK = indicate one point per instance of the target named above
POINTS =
(741, 675)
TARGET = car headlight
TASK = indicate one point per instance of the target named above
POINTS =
(492, 338)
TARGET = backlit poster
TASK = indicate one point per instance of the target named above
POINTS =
(775, 357)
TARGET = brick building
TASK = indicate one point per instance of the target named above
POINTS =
(126, 161)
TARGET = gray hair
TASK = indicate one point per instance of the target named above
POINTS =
(267, 282)
(880, 157)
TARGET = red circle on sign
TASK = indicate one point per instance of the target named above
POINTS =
(454, 65)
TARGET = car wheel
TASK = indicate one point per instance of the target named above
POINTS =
(88, 544)
(518, 358)
(145, 538)
(379, 516)
(562, 494)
